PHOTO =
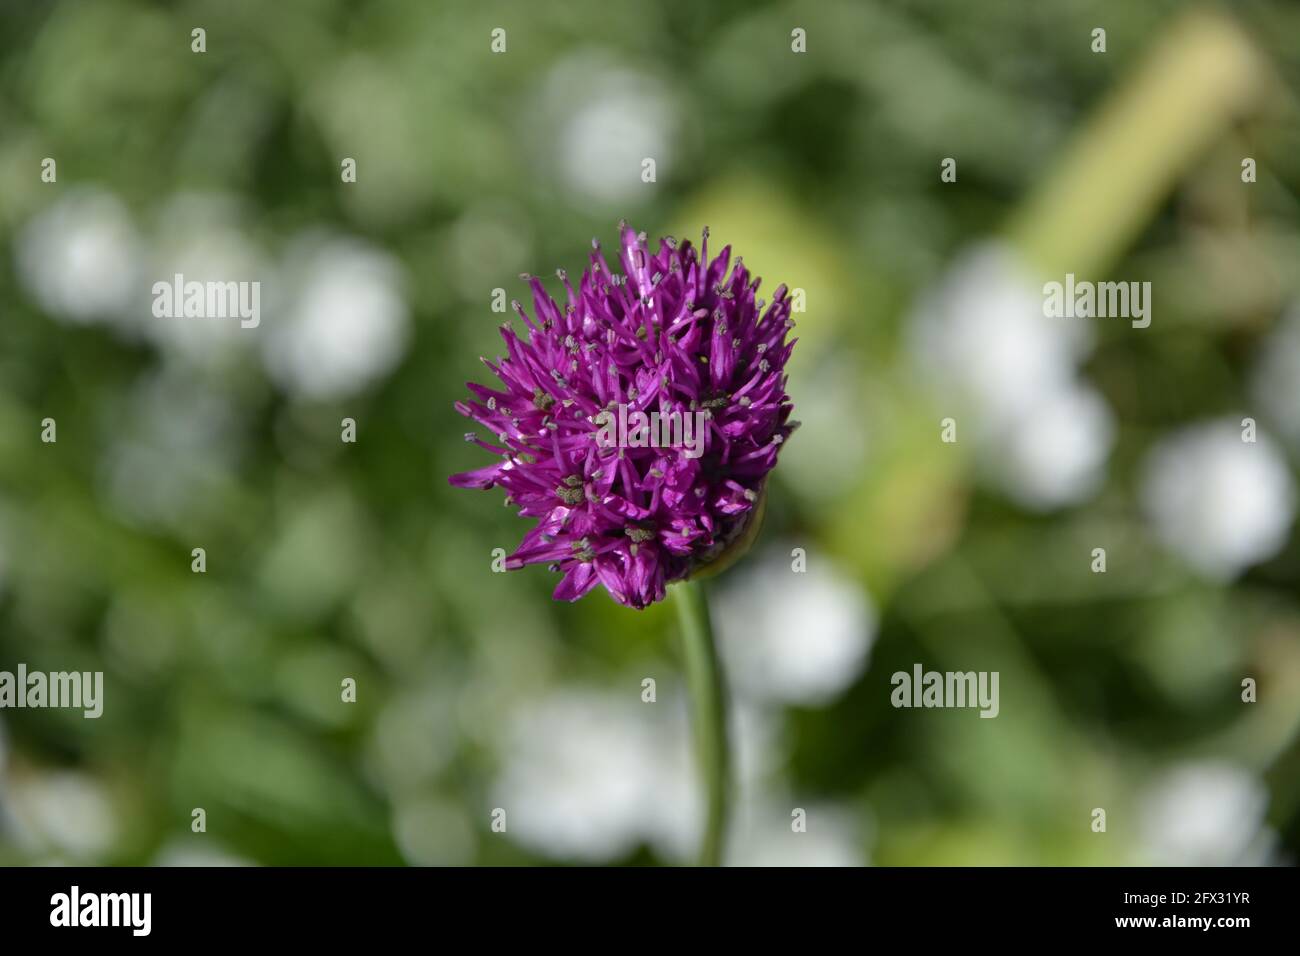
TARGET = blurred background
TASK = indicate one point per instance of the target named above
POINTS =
(1120, 690)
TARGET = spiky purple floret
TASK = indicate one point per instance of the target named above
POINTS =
(668, 334)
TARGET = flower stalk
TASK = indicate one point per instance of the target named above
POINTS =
(708, 712)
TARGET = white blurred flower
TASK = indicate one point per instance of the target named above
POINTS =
(796, 638)
(1275, 383)
(1054, 451)
(1205, 814)
(431, 832)
(591, 775)
(200, 238)
(583, 775)
(63, 812)
(675, 824)
(611, 118)
(981, 336)
(79, 258)
(176, 447)
(344, 321)
(764, 835)
(1009, 375)
(1218, 502)
(587, 774)
(197, 851)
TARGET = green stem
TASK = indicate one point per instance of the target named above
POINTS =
(708, 712)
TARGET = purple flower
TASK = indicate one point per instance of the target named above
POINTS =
(637, 422)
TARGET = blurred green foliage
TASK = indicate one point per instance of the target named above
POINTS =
(328, 560)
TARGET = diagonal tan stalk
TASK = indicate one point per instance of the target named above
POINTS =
(1203, 75)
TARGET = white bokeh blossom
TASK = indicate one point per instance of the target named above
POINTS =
(610, 117)
(1219, 503)
(1275, 381)
(590, 775)
(764, 834)
(201, 237)
(339, 321)
(1010, 376)
(793, 637)
(1206, 813)
(80, 257)
(66, 814)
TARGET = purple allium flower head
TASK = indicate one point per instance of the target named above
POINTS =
(671, 333)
